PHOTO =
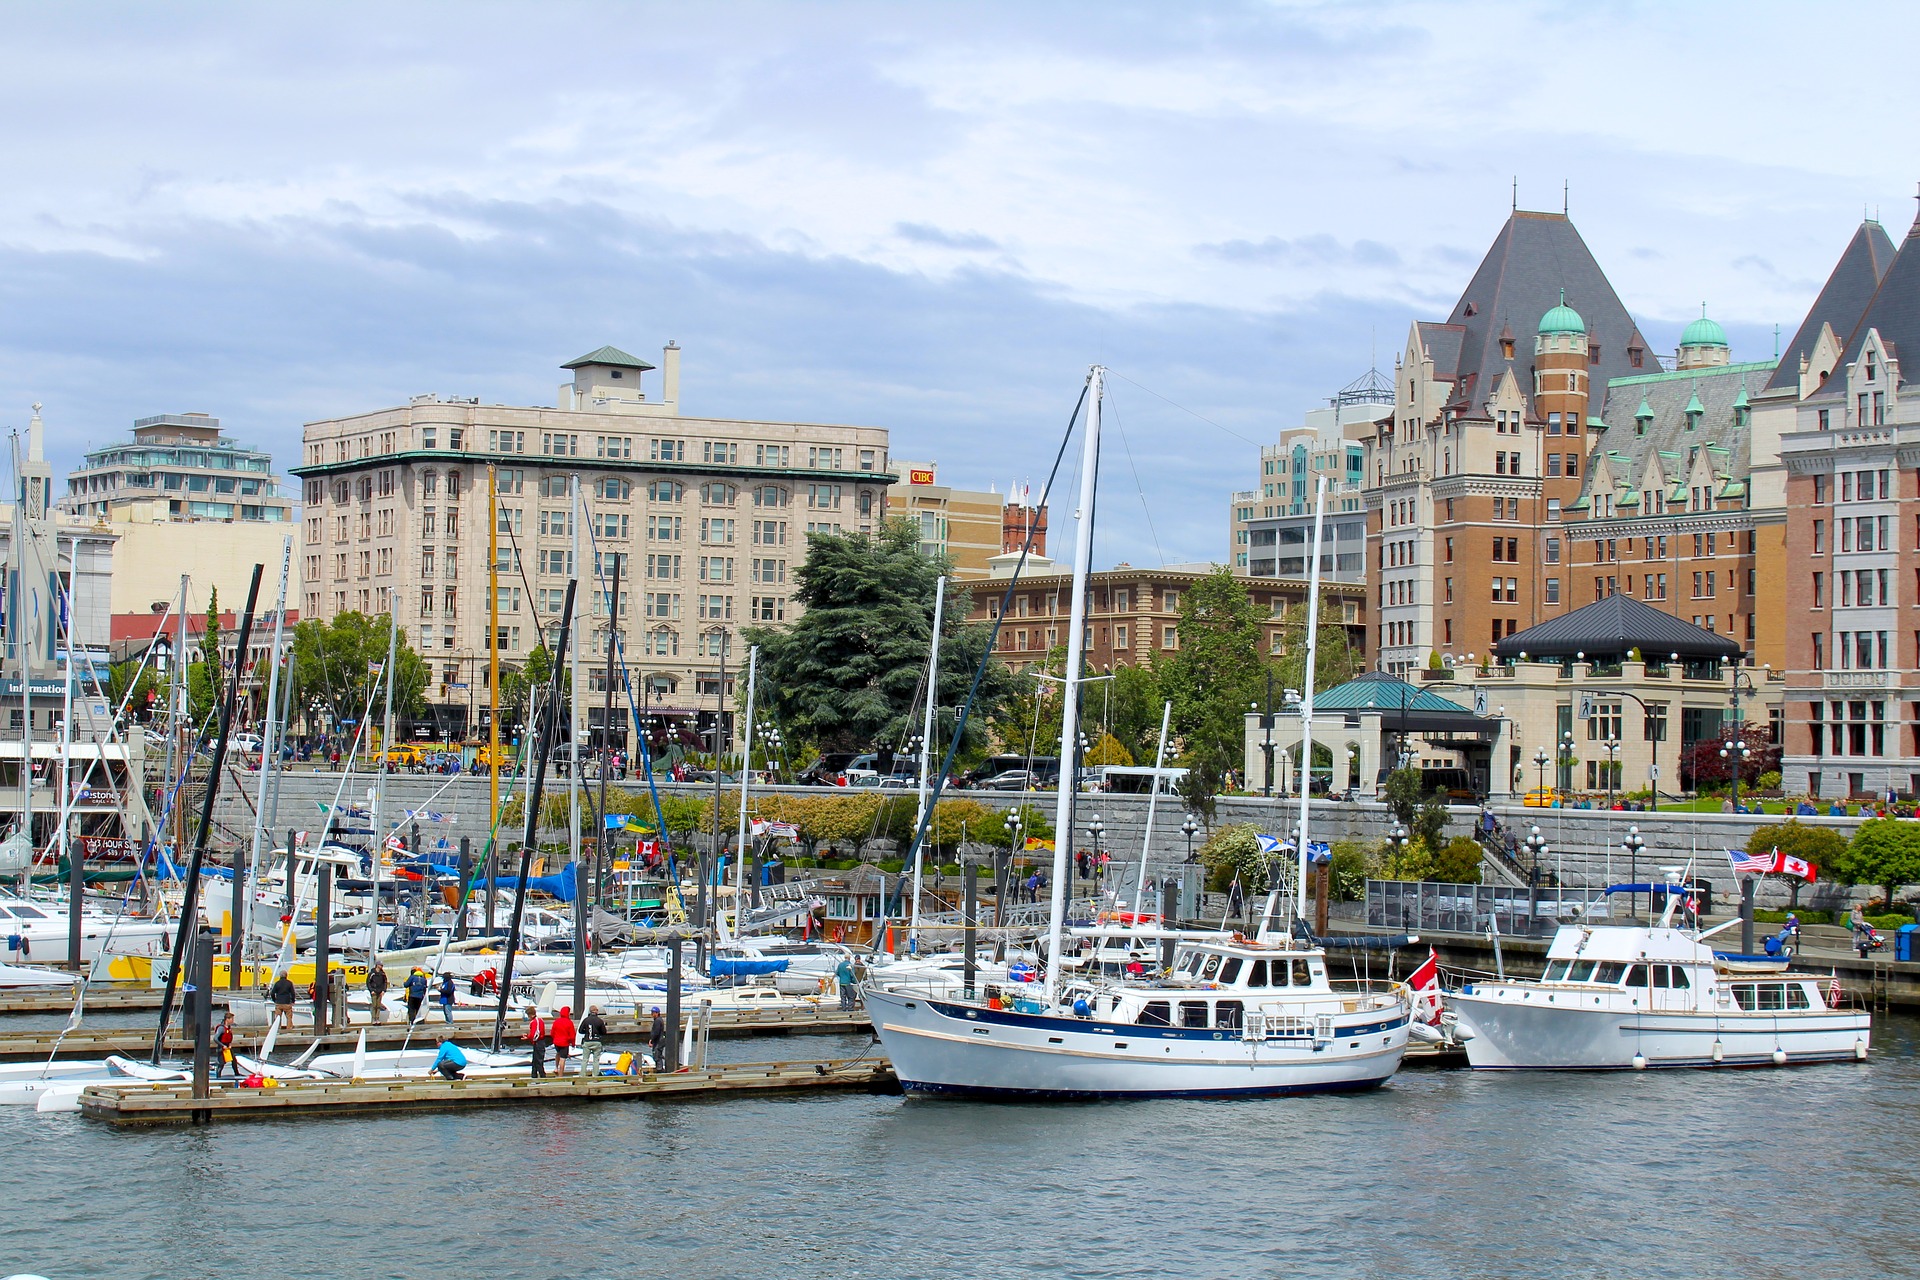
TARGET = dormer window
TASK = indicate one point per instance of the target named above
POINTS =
(1871, 369)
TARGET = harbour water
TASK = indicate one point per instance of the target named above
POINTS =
(1798, 1172)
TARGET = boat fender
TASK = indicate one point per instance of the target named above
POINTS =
(1719, 1052)
(1081, 1009)
(1779, 1057)
(1859, 1050)
(1639, 1062)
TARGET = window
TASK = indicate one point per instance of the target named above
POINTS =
(1819, 590)
(612, 447)
(1553, 508)
(1573, 464)
(664, 528)
(613, 489)
(666, 491)
(507, 441)
(1450, 550)
(718, 494)
(1170, 637)
(719, 453)
(717, 530)
(667, 450)
(770, 455)
(716, 568)
(771, 495)
(769, 533)
(823, 497)
(767, 608)
(1553, 591)
(662, 604)
(661, 565)
(559, 444)
(824, 459)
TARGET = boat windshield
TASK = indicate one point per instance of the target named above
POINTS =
(1582, 971)
(1556, 971)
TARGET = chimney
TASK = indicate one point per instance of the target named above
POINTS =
(670, 376)
(35, 430)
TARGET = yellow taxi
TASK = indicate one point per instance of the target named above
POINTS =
(1545, 798)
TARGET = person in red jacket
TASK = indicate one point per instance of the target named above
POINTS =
(564, 1034)
(537, 1037)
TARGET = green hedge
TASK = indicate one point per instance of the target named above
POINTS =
(1780, 917)
(1887, 924)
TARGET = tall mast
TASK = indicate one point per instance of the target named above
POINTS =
(926, 755)
(574, 719)
(746, 773)
(1076, 654)
(1153, 800)
(1306, 698)
(493, 648)
(380, 778)
(269, 758)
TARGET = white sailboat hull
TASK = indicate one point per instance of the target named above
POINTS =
(1514, 1034)
(938, 1047)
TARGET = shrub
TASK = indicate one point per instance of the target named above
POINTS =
(1769, 781)
(1458, 862)
(1351, 866)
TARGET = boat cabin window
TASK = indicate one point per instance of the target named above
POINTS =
(1190, 963)
(1226, 1015)
(1211, 967)
(1556, 971)
(6, 913)
(1765, 997)
(1582, 971)
(1230, 970)
(1301, 977)
(1637, 975)
(1610, 972)
(31, 913)
(1155, 1013)
(1193, 1013)
(1257, 974)
(1797, 997)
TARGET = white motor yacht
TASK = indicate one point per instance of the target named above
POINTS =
(1617, 997)
(29, 928)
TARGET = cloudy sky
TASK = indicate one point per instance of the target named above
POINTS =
(928, 217)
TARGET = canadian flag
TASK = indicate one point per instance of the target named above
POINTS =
(1425, 984)
(1787, 865)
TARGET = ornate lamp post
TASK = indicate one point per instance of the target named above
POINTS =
(1613, 749)
(1096, 829)
(1567, 759)
(1540, 762)
(1633, 844)
(1736, 753)
(1536, 846)
(1190, 828)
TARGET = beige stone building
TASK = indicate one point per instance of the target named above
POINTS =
(707, 518)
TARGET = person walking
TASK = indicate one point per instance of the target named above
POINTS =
(377, 991)
(593, 1030)
(657, 1038)
(416, 994)
(537, 1038)
(563, 1033)
(283, 997)
(1236, 901)
(450, 1061)
(446, 997)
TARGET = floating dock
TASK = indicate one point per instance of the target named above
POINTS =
(175, 1103)
(136, 1043)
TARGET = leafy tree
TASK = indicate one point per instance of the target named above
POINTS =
(1822, 846)
(848, 674)
(1351, 865)
(1026, 721)
(1108, 751)
(516, 685)
(1131, 709)
(1413, 860)
(1706, 769)
(1212, 679)
(1034, 825)
(340, 664)
(130, 677)
(1335, 659)
(1458, 861)
(1884, 852)
(1234, 851)
(1425, 816)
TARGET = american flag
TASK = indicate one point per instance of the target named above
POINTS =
(1756, 864)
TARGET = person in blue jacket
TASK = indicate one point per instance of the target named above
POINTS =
(449, 1062)
(446, 997)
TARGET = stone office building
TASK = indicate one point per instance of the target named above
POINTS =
(707, 518)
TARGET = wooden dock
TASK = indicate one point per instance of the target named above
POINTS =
(100, 999)
(175, 1103)
(725, 1024)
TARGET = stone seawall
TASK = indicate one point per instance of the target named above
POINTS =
(1583, 845)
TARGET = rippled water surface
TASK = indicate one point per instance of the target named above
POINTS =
(1796, 1173)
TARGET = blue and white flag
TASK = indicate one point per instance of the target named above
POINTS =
(1270, 845)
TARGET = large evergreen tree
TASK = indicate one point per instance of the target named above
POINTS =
(845, 675)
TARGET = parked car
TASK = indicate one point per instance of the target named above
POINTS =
(1545, 798)
(1011, 780)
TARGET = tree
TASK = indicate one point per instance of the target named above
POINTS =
(1884, 852)
(1108, 751)
(1212, 679)
(340, 663)
(849, 673)
(1026, 721)
(1335, 659)
(1131, 710)
(204, 677)
(1706, 769)
(1351, 865)
(1425, 816)
(1413, 860)
(1458, 861)
(1821, 846)
(1233, 852)
(136, 679)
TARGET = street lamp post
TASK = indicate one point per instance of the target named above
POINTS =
(1613, 749)
(1736, 753)
(1536, 846)
(1633, 844)
(1266, 743)
(1096, 829)
(1567, 759)
(1540, 762)
(1190, 828)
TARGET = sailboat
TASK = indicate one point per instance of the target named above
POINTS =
(1230, 1016)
